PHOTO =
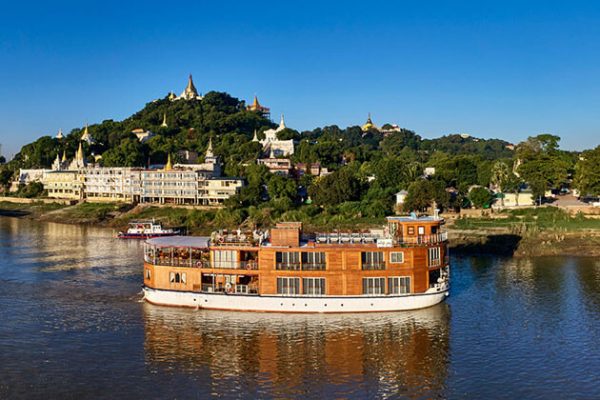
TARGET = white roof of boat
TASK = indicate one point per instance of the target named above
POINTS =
(180, 241)
(414, 219)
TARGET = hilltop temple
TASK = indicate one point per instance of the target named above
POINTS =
(272, 145)
(189, 93)
(257, 107)
(369, 125)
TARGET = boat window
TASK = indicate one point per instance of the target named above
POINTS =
(397, 257)
(398, 284)
(225, 259)
(313, 286)
(373, 285)
(372, 260)
(177, 278)
(286, 285)
(172, 277)
(148, 274)
(287, 260)
(313, 261)
(434, 256)
(183, 277)
(421, 230)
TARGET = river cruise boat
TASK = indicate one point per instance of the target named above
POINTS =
(403, 266)
(145, 229)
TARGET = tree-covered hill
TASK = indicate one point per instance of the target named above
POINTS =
(367, 168)
(190, 124)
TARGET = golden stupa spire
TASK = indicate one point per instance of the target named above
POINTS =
(64, 157)
(79, 155)
(164, 121)
(255, 103)
(169, 165)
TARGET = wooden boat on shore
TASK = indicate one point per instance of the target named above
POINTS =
(401, 267)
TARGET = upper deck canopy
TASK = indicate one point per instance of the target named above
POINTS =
(197, 242)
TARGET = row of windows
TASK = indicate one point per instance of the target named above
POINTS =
(295, 261)
(316, 286)
(395, 285)
(291, 286)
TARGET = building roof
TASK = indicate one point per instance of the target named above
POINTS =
(200, 242)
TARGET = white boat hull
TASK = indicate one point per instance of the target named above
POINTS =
(298, 304)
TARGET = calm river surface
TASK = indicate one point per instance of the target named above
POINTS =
(72, 326)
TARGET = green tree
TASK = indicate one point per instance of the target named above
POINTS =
(422, 194)
(129, 153)
(336, 188)
(480, 197)
(587, 173)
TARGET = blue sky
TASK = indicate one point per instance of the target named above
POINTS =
(506, 69)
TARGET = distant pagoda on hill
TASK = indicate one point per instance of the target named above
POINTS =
(257, 107)
(189, 93)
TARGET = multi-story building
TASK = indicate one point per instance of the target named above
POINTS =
(280, 166)
(112, 184)
(196, 184)
(64, 184)
(215, 191)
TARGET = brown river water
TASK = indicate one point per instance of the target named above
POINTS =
(72, 326)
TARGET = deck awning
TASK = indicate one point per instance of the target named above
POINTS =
(197, 242)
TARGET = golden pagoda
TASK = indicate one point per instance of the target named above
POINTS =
(368, 125)
(256, 106)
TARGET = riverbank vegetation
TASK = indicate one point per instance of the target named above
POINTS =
(367, 167)
(532, 220)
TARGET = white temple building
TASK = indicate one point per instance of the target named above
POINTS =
(272, 145)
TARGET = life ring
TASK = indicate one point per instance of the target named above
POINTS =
(228, 287)
(199, 264)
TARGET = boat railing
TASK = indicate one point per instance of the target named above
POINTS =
(423, 239)
(346, 238)
(247, 265)
(300, 266)
(200, 263)
(372, 266)
(287, 266)
(177, 261)
(378, 238)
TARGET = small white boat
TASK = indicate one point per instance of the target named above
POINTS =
(146, 229)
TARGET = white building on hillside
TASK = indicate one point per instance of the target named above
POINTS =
(271, 144)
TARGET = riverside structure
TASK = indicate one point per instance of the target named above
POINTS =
(401, 267)
(182, 184)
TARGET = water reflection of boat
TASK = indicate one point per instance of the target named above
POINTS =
(288, 354)
(146, 229)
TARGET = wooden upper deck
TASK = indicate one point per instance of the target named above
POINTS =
(287, 261)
